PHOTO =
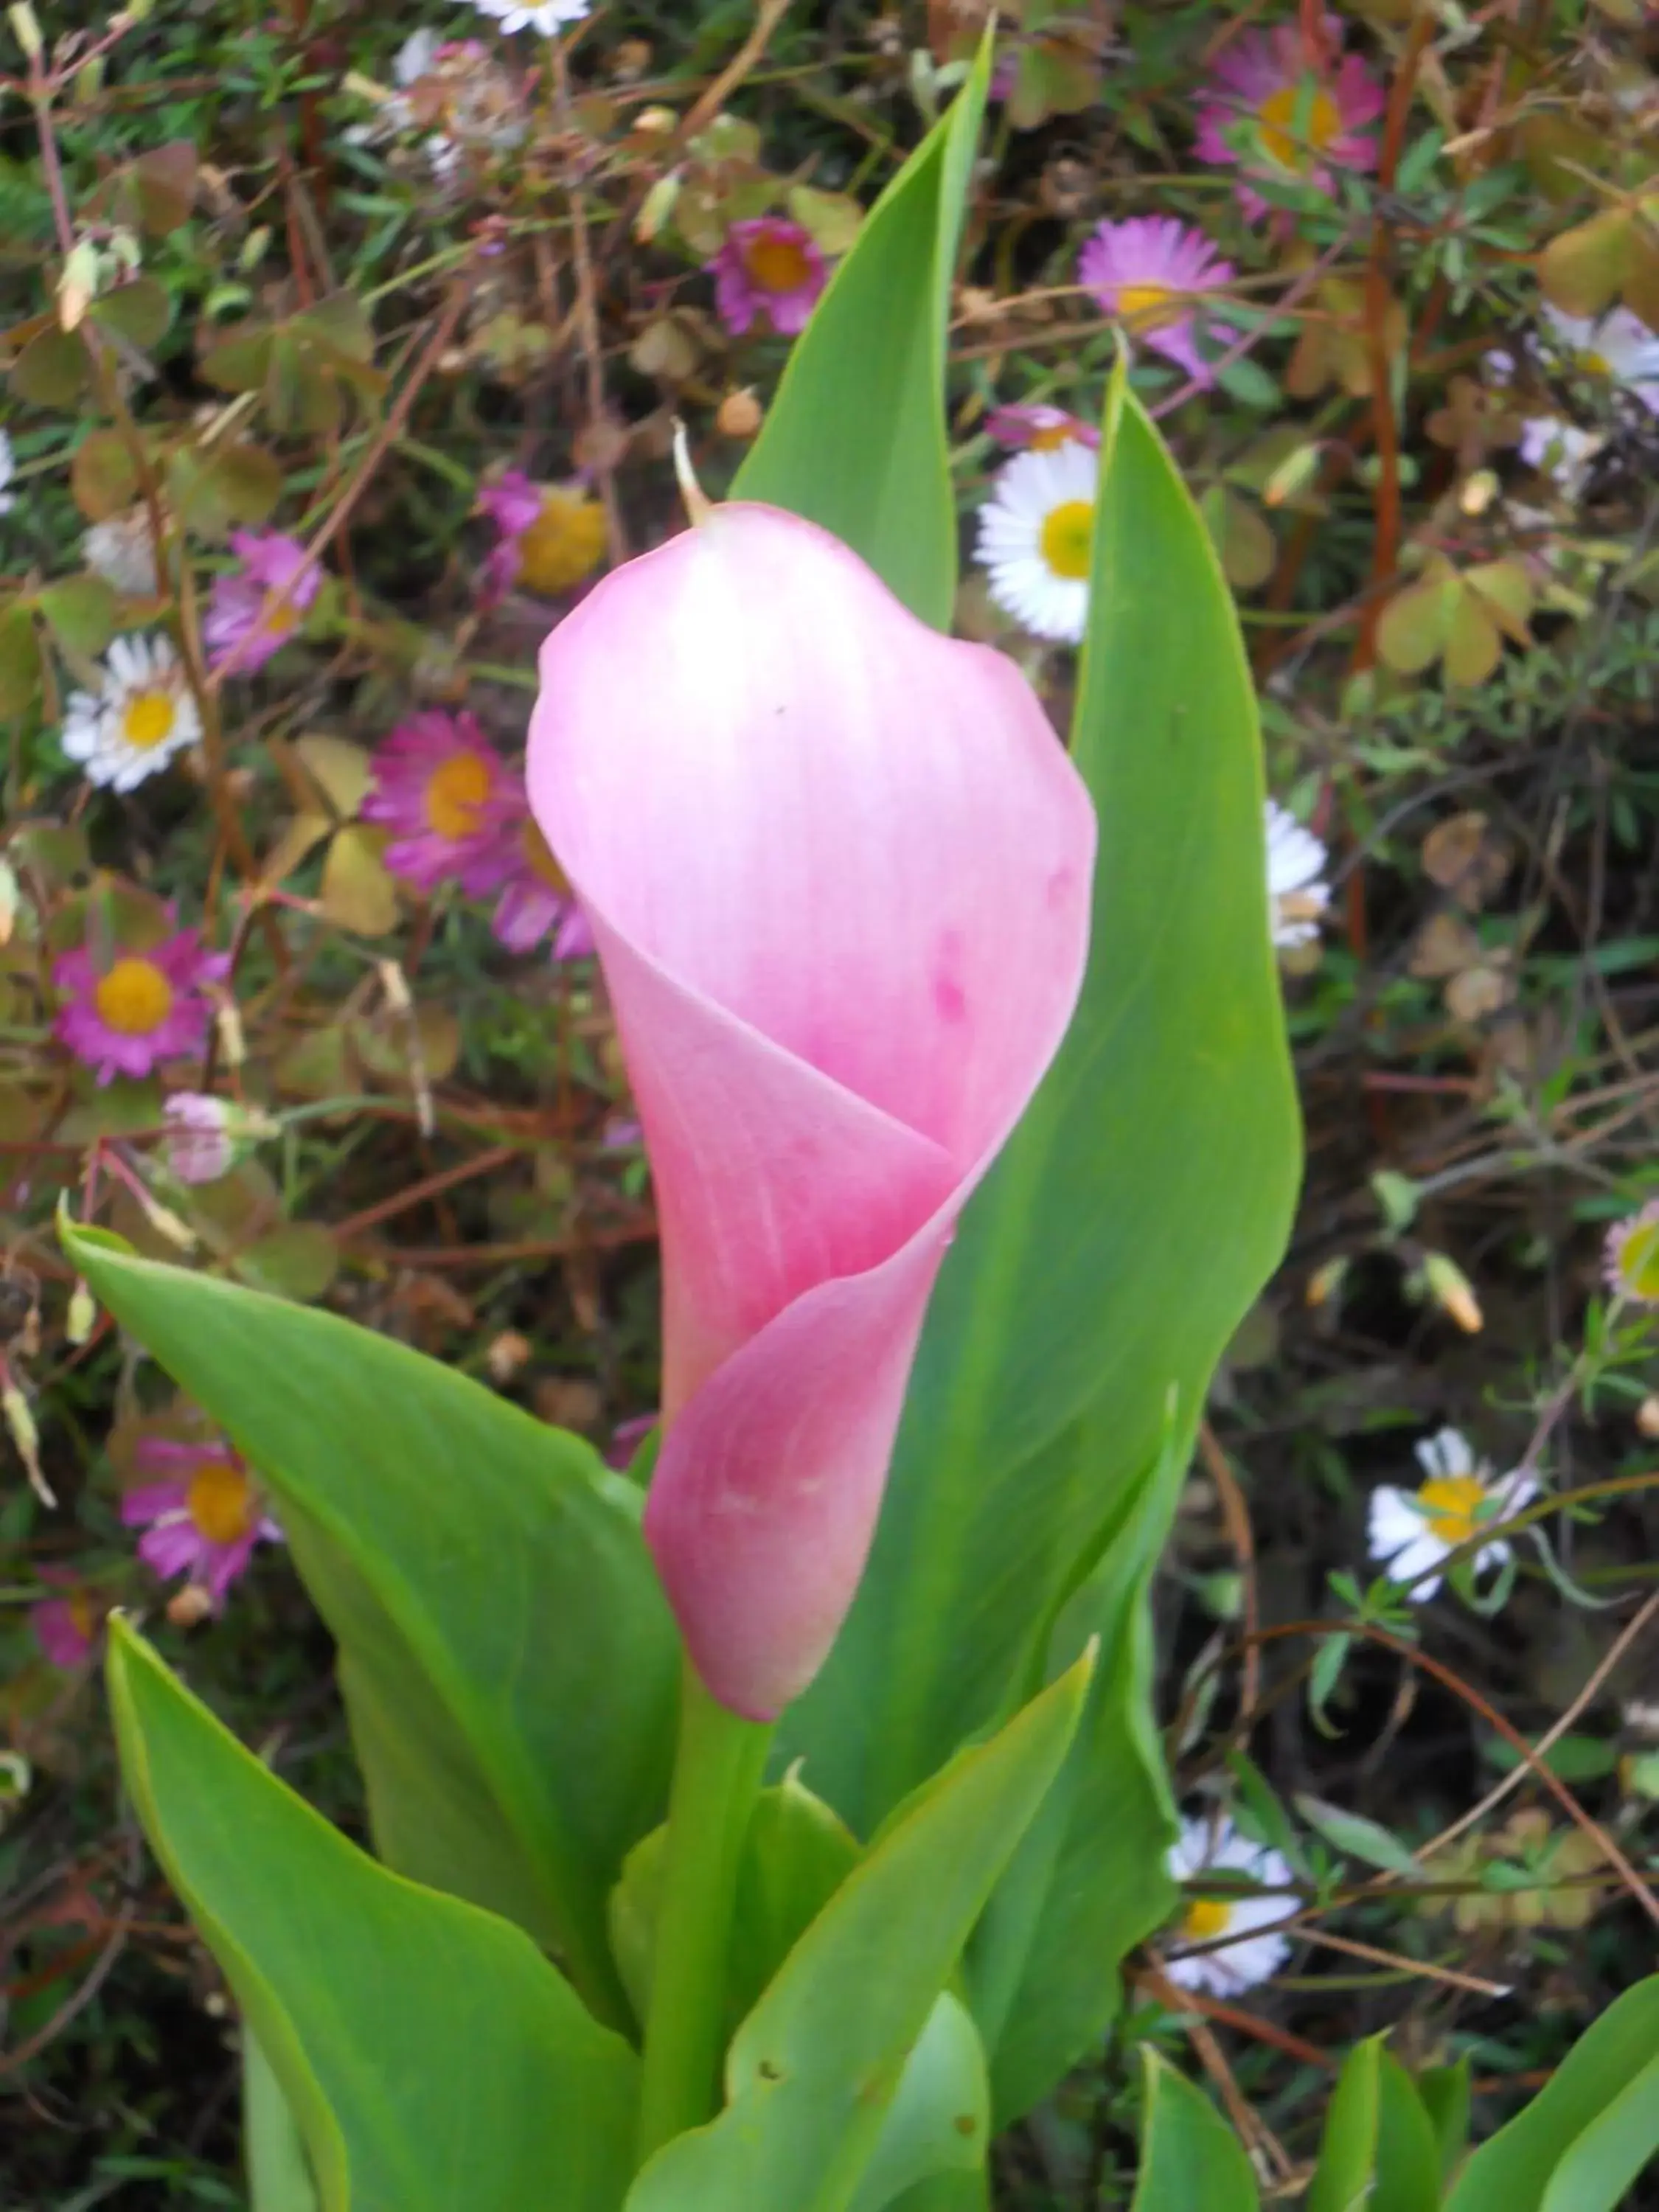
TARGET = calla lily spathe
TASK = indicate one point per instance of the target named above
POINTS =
(838, 871)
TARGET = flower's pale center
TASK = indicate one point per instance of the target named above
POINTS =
(1638, 1260)
(1451, 1505)
(456, 793)
(776, 264)
(1067, 534)
(539, 856)
(1592, 364)
(278, 617)
(1144, 306)
(562, 545)
(1051, 437)
(82, 1619)
(1206, 1918)
(1294, 126)
(148, 718)
(134, 998)
(219, 1502)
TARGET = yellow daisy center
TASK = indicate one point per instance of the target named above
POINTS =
(278, 617)
(1052, 437)
(1451, 1506)
(1593, 363)
(81, 1616)
(776, 264)
(1638, 1260)
(562, 545)
(1143, 306)
(1067, 534)
(1206, 1918)
(148, 718)
(1293, 127)
(456, 791)
(220, 1502)
(134, 998)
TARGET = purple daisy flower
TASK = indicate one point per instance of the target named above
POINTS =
(1305, 117)
(536, 898)
(256, 609)
(446, 792)
(767, 266)
(1148, 272)
(202, 1519)
(1035, 428)
(141, 1008)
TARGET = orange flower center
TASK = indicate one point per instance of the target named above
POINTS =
(149, 717)
(1451, 1506)
(1206, 1918)
(456, 792)
(1593, 363)
(220, 1502)
(1638, 1260)
(777, 264)
(278, 617)
(1294, 126)
(134, 998)
(562, 545)
(1143, 306)
(1052, 437)
(1067, 534)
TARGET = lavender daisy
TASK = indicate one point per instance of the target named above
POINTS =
(447, 794)
(141, 1008)
(202, 1519)
(1148, 273)
(256, 609)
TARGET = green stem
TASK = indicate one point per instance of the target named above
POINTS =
(717, 1777)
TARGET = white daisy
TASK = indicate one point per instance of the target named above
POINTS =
(119, 551)
(1618, 346)
(141, 715)
(8, 463)
(1411, 1531)
(548, 17)
(1034, 535)
(1297, 894)
(1560, 449)
(415, 56)
(1248, 1955)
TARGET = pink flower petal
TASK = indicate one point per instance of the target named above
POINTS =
(837, 870)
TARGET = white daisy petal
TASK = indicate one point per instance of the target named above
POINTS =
(1249, 1955)
(143, 715)
(119, 551)
(1298, 895)
(1034, 535)
(1445, 1453)
(8, 466)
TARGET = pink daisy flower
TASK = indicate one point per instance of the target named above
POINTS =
(256, 609)
(66, 1628)
(448, 793)
(203, 1519)
(1032, 426)
(537, 898)
(1148, 272)
(1631, 1256)
(124, 1017)
(552, 535)
(767, 266)
(1274, 111)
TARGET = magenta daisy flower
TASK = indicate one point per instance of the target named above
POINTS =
(767, 266)
(1276, 110)
(126, 1017)
(257, 608)
(448, 793)
(537, 899)
(66, 1628)
(202, 1519)
(552, 535)
(1148, 273)
(1631, 1256)
(1034, 427)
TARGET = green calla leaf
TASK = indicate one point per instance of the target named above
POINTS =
(816, 2068)
(1190, 2159)
(430, 2055)
(1344, 2177)
(873, 354)
(508, 1664)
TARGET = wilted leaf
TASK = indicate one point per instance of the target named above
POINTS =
(1412, 633)
(165, 186)
(356, 890)
(1583, 270)
(665, 348)
(103, 475)
(318, 1064)
(80, 611)
(1480, 991)
(343, 771)
(298, 1261)
(1464, 856)
(1242, 536)
(52, 370)
(1506, 591)
(303, 836)
(235, 483)
(831, 220)
(19, 661)
(1444, 945)
(382, 1045)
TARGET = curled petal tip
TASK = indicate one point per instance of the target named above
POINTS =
(698, 505)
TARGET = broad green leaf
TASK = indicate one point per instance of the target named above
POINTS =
(1347, 2150)
(855, 438)
(430, 2055)
(1102, 1267)
(939, 2120)
(1408, 2169)
(1518, 2170)
(1598, 2169)
(814, 2069)
(1190, 2159)
(278, 2171)
(508, 1664)
(1446, 2099)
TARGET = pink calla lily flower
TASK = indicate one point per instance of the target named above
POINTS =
(837, 869)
